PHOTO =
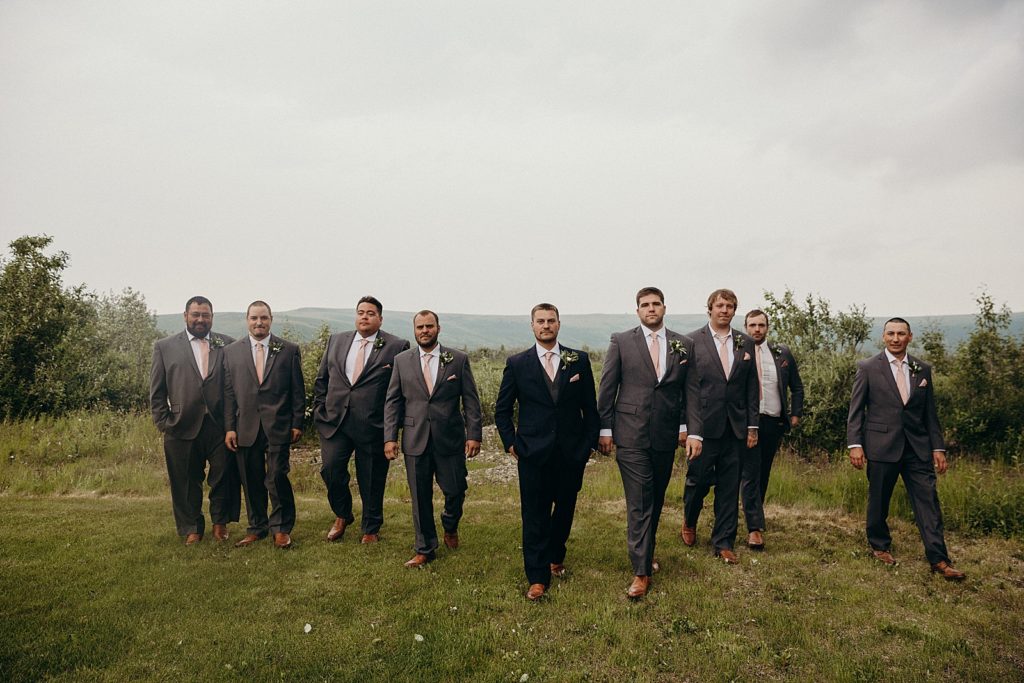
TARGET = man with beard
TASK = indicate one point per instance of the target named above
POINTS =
(557, 429)
(433, 398)
(186, 396)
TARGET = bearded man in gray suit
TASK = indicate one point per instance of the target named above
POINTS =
(186, 396)
(348, 410)
(433, 398)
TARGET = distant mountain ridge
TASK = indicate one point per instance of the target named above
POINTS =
(461, 330)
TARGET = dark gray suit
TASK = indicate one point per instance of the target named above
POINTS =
(435, 428)
(263, 415)
(644, 415)
(728, 406)
(351, 418)
(898, 440)
(189, 411)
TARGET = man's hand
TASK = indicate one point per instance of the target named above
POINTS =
(751, 438)
(231, 441)
(682, 439)
(794, 420)
(296, 435)
(390, 450)
(857, 457)
(512, 452)
(605, 445)
(472, 448)
(939, 458)
(693, 448)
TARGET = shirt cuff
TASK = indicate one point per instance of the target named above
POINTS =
(604, 432)
(854, 445)
(694, 436)
(682, 428)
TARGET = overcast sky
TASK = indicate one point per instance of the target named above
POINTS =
(479, 157)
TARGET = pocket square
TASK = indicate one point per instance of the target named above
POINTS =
(924, 383)
(785, 363)
(574, 378)
(450, 378)
(386, 367)
(683, 362)
(746, 356)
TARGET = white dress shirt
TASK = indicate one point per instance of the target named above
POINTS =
(557, 350)
(353, 351)
(196, 353)
(771, 403)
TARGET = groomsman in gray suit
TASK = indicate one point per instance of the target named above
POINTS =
(725, 370)
(433, 399)
(894, 426)
(645, 398)
(186, 396)
(348, 410)
(264, 406)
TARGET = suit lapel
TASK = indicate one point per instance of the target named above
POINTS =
(712, 347)
(915, 380)
(271, 356)
(886, 369)
(537, 372)
(737, 358)
(344, 346)
(645, 351)
(441, 370)
(373, 354)
(191, 356)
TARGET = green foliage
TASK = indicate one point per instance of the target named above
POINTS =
(312, 354)
(826, 346)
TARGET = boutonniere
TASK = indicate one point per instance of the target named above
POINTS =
(915, 367)
(739, 341)
(568, 357)
(378, 344)
(446, 358)
(776, 350)
(276, 348)
(216, 342)
(675, 346)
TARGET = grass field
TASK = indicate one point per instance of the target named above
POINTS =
(98, 587)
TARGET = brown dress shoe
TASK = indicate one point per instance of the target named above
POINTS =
(369, 538)
(192, 539)
(418, 560)
(728, 556)
(248, 540)
(536, 591)
(639, 587)
(557, 569)
(689, 534)
(655, 566)
(451, 539)
(884, 556)
(220, 532)
(755, 540)
(337, 530)
(282, 540)
(948, 572)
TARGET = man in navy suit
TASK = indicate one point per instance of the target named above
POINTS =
(893, 425)
(557, 429)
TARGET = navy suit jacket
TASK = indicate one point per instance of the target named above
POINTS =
(547, 425)
(729, 403)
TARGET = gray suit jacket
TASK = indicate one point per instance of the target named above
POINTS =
(434, 418)
(641, 411)
(725, 403)
(880, 422)
(335, 400)
(278, 404)
(179, 397)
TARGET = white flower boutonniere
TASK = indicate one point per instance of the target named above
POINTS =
(378, 344)
(568, 357)
(675, 346)
(276, 348)
(739, 341)
(915, 367)
(216, 342)
(446, 357)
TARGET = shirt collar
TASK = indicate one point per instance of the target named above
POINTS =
(714, 334)
(648, 331)
(557, 350)
(891, 358)
(433, 352)
(192, 337)
(265, 341)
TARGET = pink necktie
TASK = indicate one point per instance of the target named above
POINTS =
(360, 360)
(760, 375)
(428, 376)
(260, 361)
(655, 354)
(204, 356)
(549, 364)
(901, 382)
(723, 353)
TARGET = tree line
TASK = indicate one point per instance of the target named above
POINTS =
(65, 348)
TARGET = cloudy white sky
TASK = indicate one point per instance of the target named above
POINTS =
(478, 157)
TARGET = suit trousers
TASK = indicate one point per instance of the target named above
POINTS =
(371, 476)
(645, 476)
(186, 468)
(919, 478)
(757, 467)
(717, 465)
(264, 470)
(450, 471)
(547, 492)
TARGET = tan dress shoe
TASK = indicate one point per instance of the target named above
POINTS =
(337, 530)
(884, 556)
(220, 532)
(639, 587)
(755, 540)
(689, 535)
(248, 540)
(418, 560)
(536, 591)
(192, 539)
(727, 556)
(369, 538)
(451, 539)
(557, 569)
(946, 570)
(282, 540)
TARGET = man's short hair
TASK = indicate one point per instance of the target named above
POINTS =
(726, 294)
(259, 303)
(424, 312)
(544, 307)
(646, 291)
(372, 300)
(898, 320)
(199, 301)
(754, 313)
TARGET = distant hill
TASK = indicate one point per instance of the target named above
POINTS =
(513, 331)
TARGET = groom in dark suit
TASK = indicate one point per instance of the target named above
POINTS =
(264, 406)
(186, 396)
(894, 426)
(558, 428)
(348, 410)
